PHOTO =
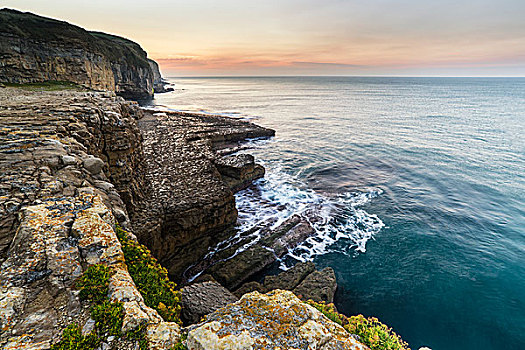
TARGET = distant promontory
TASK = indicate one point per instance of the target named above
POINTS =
(37, 49)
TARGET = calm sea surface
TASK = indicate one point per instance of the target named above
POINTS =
(415, 186)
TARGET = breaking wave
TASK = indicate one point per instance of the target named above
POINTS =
(272, 200)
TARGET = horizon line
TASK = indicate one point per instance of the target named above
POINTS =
(347, 76)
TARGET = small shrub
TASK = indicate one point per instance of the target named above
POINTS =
(151, 279)
(93, 283)
(139, 335)
(371, 331)
(72, 339)
(328, 310)
(375, 334)
(108, 318)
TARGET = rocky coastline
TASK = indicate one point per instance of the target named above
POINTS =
(75, 163)
(105, 204)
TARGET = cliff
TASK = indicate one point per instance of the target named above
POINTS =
(36, 49)
(61, 154)
(189, 206)
(74, 167)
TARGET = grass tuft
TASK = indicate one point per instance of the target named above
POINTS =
(151, 279)
(50, 85)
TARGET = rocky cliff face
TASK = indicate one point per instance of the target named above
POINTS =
(189, 206)
(64, 158)
(37, 49)
(158, 82)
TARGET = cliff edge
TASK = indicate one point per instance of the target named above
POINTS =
(37, 49)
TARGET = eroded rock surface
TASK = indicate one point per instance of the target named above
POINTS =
(51, 143)
(58, 153)
(277, 320)
(193, 205)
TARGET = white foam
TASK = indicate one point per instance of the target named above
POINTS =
(334, 219)
(339, 222)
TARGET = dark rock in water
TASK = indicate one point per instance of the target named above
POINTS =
(232, 270)
(318, 286)
(37, 49)
(239, 171)
(201, 299)
(231, 273)
(302, 279)
(291, 278)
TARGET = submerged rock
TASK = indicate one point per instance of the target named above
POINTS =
(277, 320)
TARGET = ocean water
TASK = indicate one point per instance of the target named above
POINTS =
(415, 186)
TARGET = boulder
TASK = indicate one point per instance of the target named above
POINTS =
(200, 299)
(319, 286)
(93, 164)
(248, 288)
(277, 320)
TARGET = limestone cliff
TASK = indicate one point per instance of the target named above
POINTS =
(59, 153)
(189, 207)
(37, 49)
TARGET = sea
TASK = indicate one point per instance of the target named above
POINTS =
(415, 188)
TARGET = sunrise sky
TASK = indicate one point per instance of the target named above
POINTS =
(310, 37)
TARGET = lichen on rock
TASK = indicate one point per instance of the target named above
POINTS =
(277, 320)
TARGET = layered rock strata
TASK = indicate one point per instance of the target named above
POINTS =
(58, 211)
(277, 320)
(251, 252)
(54, 142)
(37, 49)
(194, 206)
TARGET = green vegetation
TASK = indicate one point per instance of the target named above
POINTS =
(371, 331)
(152, 282)
(47, 86)
(93, 284)
(181, 345)
(108, 316)
(151, 279)
(72, 339)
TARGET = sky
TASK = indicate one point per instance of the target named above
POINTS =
(310, 37)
